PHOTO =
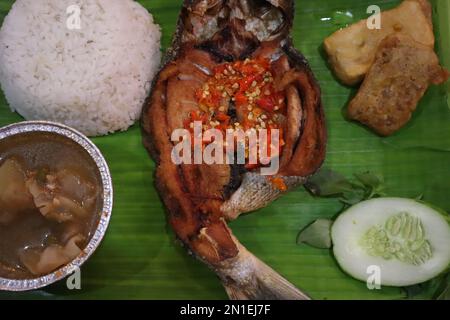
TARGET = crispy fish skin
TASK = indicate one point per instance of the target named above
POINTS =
(401, 74)
(200, 199)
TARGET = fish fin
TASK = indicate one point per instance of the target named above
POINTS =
(255, 192)
(254, 280)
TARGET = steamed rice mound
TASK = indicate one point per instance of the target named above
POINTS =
(94, 79)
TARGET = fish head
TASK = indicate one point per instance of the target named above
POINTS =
(233, 29)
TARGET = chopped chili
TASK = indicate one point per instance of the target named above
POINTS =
(247, 86)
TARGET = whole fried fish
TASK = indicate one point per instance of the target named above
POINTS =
(219, 40)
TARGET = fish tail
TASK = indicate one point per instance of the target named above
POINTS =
(248, 278)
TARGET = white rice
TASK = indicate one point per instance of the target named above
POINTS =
(94, 79)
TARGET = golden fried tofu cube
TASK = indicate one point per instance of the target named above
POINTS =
(351, 51)
(399, 77)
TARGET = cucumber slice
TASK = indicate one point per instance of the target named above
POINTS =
(408, 240)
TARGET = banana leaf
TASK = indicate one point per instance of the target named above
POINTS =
(140, 258)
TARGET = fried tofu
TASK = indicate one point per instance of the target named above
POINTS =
(399, 77)
(352, 50)
(426, 8)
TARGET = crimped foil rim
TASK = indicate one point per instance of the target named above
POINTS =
(96, 155)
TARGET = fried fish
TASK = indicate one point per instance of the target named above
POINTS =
(233, 65)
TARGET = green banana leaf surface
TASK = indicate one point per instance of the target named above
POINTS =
(140, 258)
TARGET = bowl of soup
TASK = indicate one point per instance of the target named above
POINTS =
(55, 203)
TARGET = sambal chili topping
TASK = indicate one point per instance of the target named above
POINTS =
(247, 86)
(278, 183)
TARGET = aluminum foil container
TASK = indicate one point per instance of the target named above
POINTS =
(104, 173)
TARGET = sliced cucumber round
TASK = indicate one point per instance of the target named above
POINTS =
(407, 240)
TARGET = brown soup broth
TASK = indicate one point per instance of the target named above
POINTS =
(30, 229)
